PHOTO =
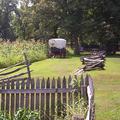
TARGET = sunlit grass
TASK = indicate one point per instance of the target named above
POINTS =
(106, 82)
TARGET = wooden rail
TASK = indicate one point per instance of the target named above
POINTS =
(15, 71)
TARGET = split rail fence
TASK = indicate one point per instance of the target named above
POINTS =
(15, 72)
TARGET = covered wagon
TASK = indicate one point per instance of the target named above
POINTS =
(57, 47)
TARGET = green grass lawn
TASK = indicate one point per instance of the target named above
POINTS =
(55, 67)
(106, 82)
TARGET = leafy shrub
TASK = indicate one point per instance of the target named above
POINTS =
(25, 114)
(4, 116)
(21, 114)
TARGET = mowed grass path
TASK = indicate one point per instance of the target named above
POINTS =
(55, 67)
(106, 82)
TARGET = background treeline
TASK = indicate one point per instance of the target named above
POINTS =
(82, 22)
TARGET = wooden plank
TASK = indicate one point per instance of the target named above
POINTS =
(59, 98)
(76, 92)
(43, 100)
(90, 91)
(47, 100)
(64, 96)
(21, 63)
(83, 89)
(37, 94)
(12, 99)
(14, 76)
(32, 94)
(91, 85)
(3, 97)
(70, 98)
(27, 94)
(13, 71)
(22, 94)
(8, 97)
(17, 95)
(53, 101)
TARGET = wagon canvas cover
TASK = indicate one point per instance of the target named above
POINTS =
(57, 42)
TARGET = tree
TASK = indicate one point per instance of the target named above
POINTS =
(106, 23)
(61, 15)
(23, 25)
(7, 7)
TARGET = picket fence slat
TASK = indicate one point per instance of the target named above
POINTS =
(70, 98)
(3, 97)
(64, 96)
(17, 95)
(37, 94)
(8, 97)
(47, 99)
(53, 100)
(59, 98)
(22, 95)
(43, 100)
(27, 94)
(32, 94)
(12, 98)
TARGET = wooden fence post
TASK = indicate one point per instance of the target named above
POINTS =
(27, 65)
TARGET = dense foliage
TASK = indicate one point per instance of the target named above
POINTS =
(106, 23)
(79, 21)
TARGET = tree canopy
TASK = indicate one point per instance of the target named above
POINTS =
(79, 21)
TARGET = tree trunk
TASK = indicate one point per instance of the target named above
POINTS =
(55, 34)
(76, 45)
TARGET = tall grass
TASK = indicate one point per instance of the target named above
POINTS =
(11, 53)
(79, 108)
